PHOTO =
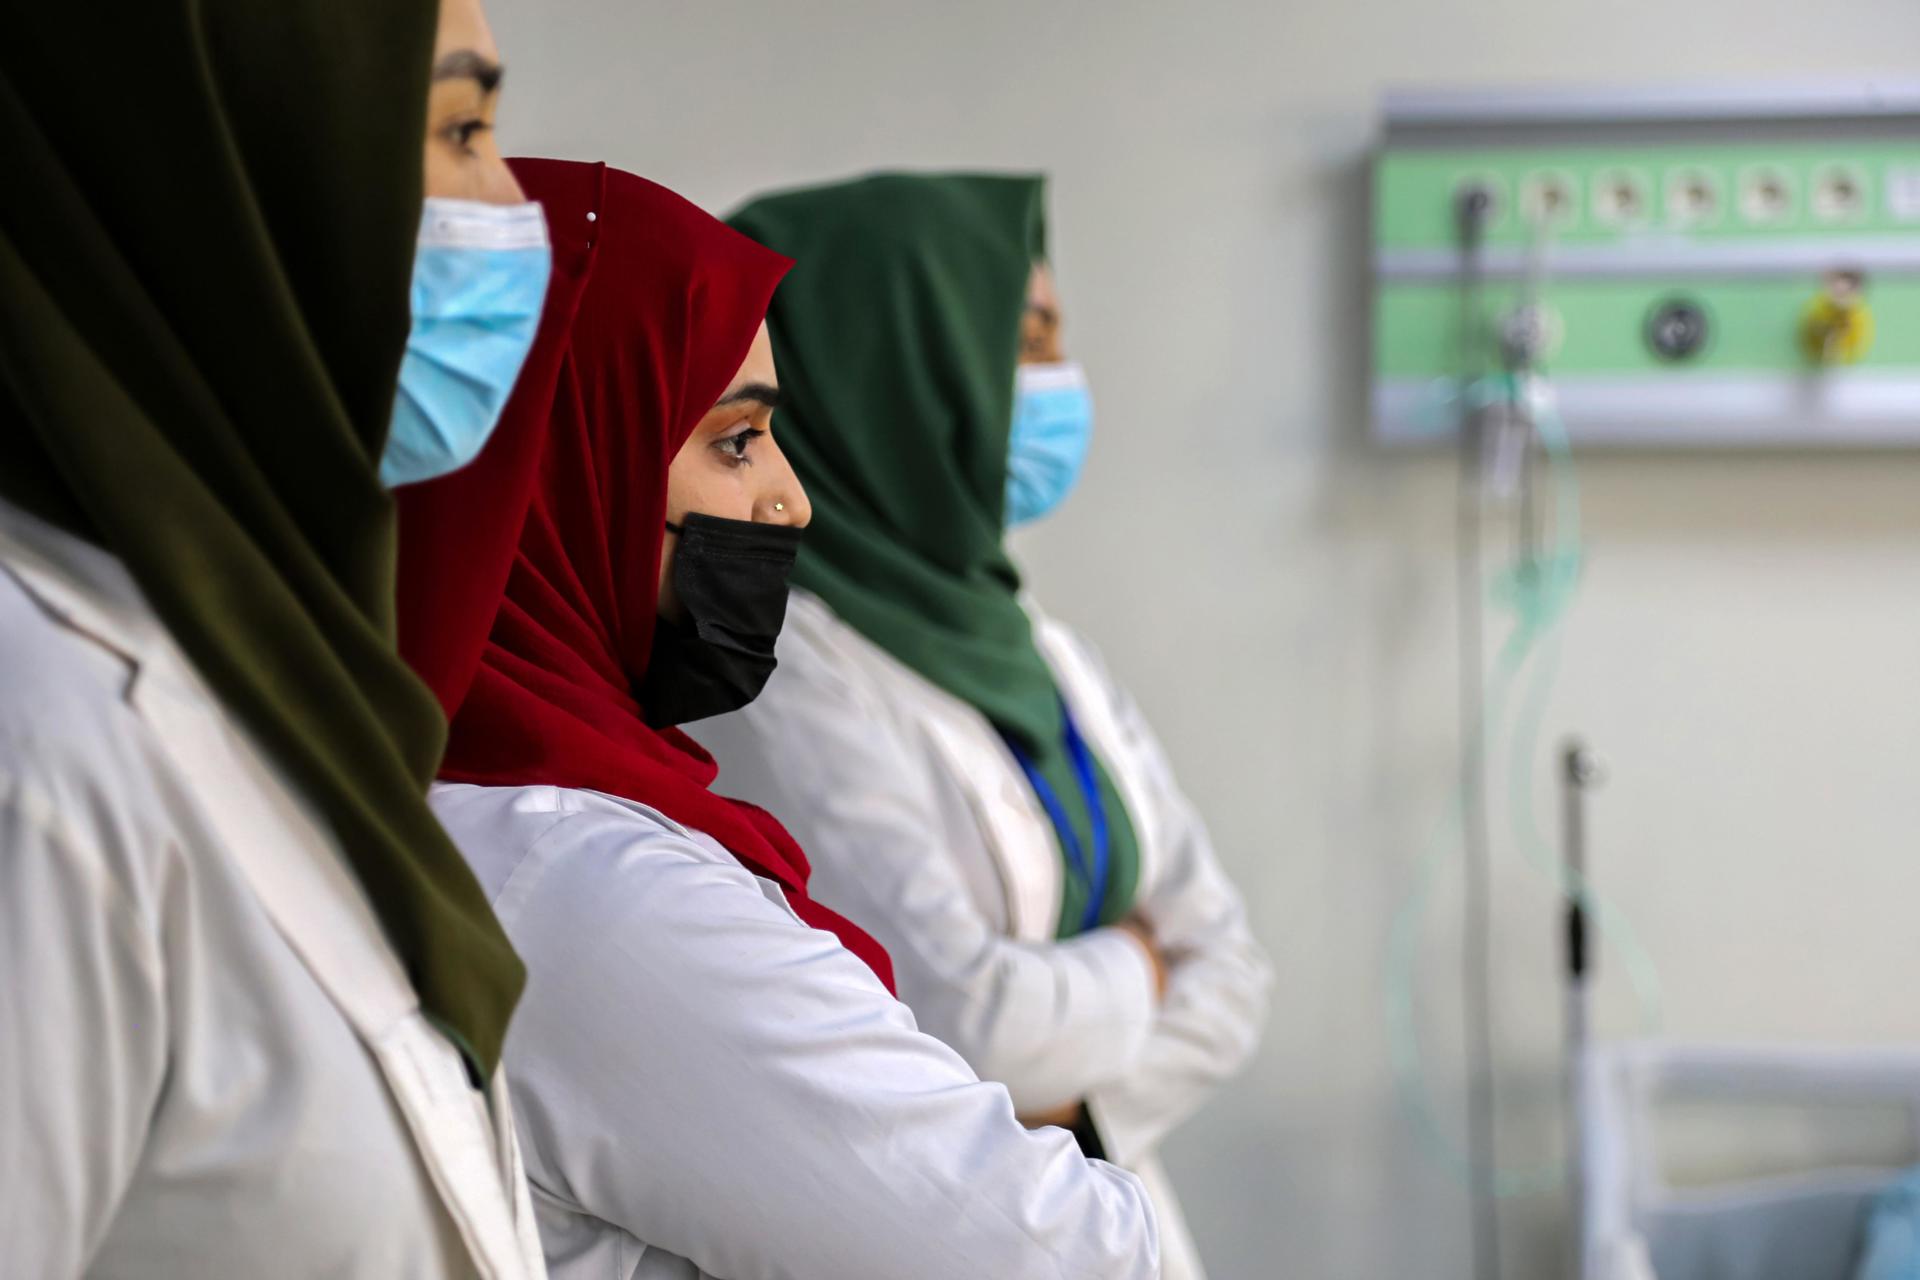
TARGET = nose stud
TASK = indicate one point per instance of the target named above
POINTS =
(779, 506)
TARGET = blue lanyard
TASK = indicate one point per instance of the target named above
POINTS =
(1094, 877)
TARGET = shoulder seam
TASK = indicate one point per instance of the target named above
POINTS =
(37, 809)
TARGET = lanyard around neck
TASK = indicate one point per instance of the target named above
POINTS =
(1094, 877)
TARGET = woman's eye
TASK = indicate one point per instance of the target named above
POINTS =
(463, 133)
(734, 447)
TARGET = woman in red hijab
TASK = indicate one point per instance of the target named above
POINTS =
(711, 1074)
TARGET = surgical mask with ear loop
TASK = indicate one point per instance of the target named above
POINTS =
(1052, 428)
(479, 281)
(731, 579)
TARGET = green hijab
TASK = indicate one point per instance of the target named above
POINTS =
(897, 335)
(206, 235)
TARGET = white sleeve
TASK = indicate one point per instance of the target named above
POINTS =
(83, 1033)
(1052, 1020)
(1218, 977)
(698, 1067)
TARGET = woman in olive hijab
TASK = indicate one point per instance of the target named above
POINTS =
(976, 789)
(248, 979)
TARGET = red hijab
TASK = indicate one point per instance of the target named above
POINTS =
(536, 650)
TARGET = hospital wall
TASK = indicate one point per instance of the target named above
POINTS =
(1279, 595)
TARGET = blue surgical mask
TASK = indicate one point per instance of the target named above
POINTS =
(479, 280)
(1052, 427)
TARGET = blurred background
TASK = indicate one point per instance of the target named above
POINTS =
(1279, 591)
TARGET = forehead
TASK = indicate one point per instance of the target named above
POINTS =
(758, 366)
(463, 27)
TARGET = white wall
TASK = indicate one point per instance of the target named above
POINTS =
(1745, 650)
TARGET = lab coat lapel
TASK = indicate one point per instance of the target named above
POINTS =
(310, 896)
(1016, 829)
(306, 890)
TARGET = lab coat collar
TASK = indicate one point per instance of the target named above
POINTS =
(320, 910)
(84, 587)
(305, 887)
(1015, 829)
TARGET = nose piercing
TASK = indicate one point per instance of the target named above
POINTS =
(779, 506)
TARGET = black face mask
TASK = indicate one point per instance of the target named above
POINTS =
(731, 578)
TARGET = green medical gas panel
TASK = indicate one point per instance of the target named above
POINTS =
(1707, 267)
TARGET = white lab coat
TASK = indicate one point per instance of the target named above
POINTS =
(211, 1061)
(922, 827)
(709, 1088)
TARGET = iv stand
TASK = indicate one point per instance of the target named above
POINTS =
(1580, 772)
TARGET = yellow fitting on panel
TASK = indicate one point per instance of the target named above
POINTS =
(1837, 326)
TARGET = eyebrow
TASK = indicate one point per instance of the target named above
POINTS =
(761, 393)
(465, 64)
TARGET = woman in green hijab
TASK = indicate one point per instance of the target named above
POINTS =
(976, 790)
(248, 979)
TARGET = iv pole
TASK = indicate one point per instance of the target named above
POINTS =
(1580, 772)
(1472, 213)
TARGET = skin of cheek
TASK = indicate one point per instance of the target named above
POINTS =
(698, 480)
(1039, 341)
(1040, 324)
(701, 479)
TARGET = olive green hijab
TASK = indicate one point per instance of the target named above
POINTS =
(897, 335)
(207, 227)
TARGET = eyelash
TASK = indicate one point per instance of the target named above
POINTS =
(734, 447)
(463, 133)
